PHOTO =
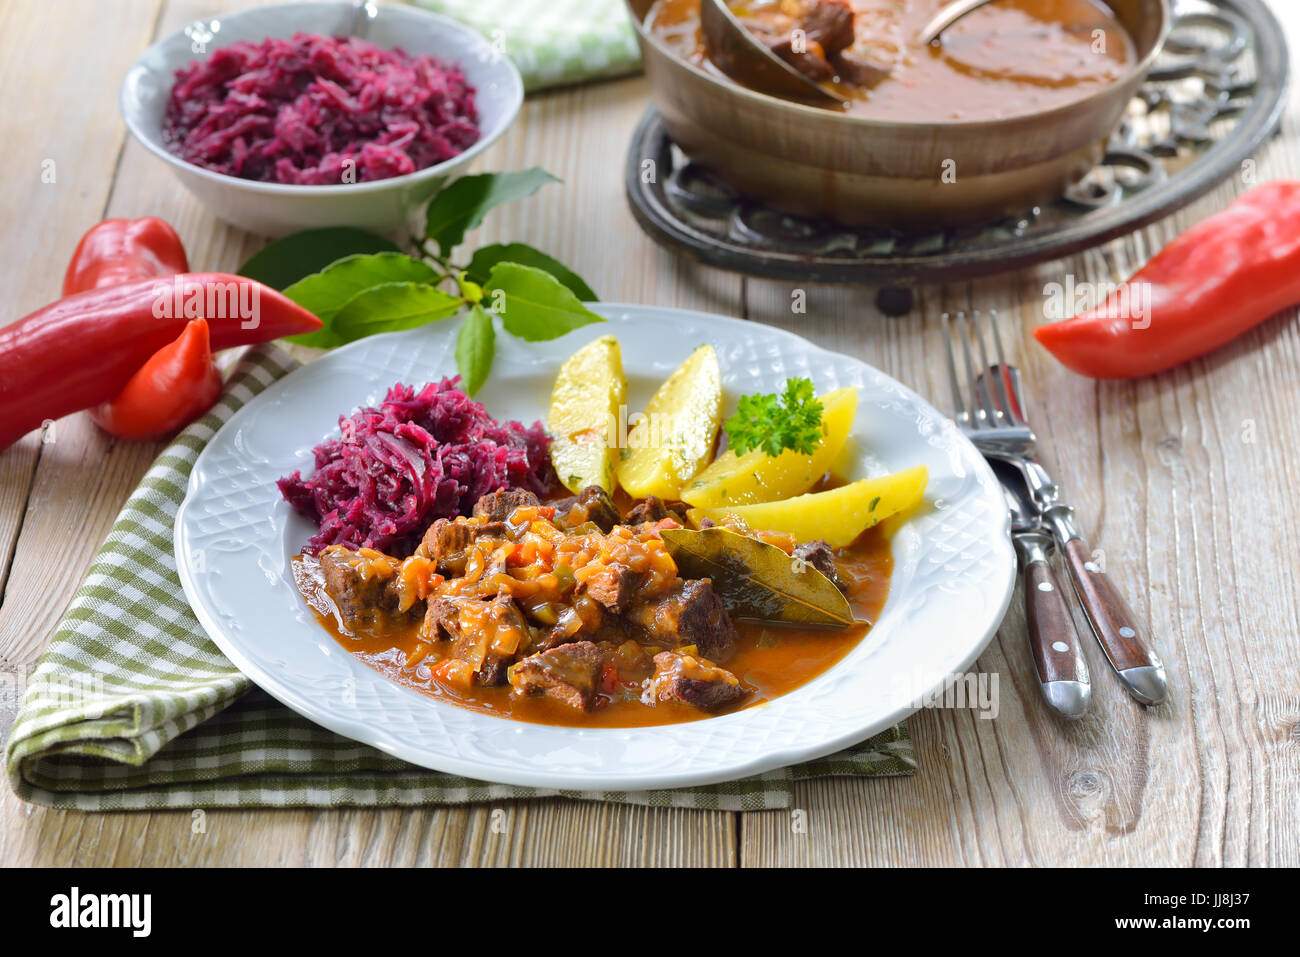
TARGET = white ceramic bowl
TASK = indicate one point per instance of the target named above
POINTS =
(272, 209)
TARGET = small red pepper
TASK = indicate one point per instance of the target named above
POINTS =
(83, 349)
(177, 385)
(1218, 280)
(121, 250)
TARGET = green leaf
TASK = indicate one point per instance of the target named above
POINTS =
(480, 266)
(282, 263)
(462, 205)
(475, 347)
(533, 304)
(328, 291)
(392, 307)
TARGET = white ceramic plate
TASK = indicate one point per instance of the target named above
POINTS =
(953, 575)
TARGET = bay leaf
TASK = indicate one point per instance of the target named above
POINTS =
(462, 205)
(475, 346)
(485, 257)
(534, 305)
(283, 262)
(757, 580)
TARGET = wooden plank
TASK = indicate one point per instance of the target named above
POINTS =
(516, 834)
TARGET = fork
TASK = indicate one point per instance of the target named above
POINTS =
(996, 423)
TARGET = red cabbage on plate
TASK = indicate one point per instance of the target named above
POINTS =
(420, 456)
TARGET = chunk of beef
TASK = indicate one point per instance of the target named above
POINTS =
(695, 681)
(363, 586)
(570, 673)
(817, 39)
(819, 555)
(490, 635)
(599, 507)
(829, 23)
(807, 57)
(655, 509)
(498, 506)
(856, 68)
(447, 542)
(689, 614)
(592, 504)
(442, 619)
(614, 586)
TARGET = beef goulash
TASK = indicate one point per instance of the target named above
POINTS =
(574, 612)
(1005, 59)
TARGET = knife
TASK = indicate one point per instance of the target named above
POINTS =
(1053, 639)
(1112, 620)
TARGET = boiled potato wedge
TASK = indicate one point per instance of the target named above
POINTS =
(675, 435)
(758, 477)
(836, 516)
(583, 417)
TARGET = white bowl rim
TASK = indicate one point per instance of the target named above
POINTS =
(486, 139)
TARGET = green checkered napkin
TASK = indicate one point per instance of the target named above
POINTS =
(553, 42)
(132, 706)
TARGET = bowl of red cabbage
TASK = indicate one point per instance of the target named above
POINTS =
(307, 115)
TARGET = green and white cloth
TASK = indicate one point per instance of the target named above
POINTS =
(553, 42)
(133, 707)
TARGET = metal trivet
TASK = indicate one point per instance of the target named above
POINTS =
(1216, 93)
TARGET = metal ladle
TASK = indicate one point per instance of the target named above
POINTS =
(740, 55)
(948, 16)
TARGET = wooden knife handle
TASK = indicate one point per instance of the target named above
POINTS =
(1115, 625)
(1053, 639)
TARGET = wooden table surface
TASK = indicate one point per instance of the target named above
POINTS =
(1188, 482)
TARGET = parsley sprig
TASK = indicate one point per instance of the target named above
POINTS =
(773, 423)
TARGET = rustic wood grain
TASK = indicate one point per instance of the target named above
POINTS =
(1186, 484)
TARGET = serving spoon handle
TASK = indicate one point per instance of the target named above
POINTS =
(948, 16)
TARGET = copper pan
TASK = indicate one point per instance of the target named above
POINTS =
(862, 171)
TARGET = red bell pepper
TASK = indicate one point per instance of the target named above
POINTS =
(1221, 278)
(83, 349)
(177, 385)
(121, 250)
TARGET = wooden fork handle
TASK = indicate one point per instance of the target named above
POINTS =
(1115, 626)
(1053, 639)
